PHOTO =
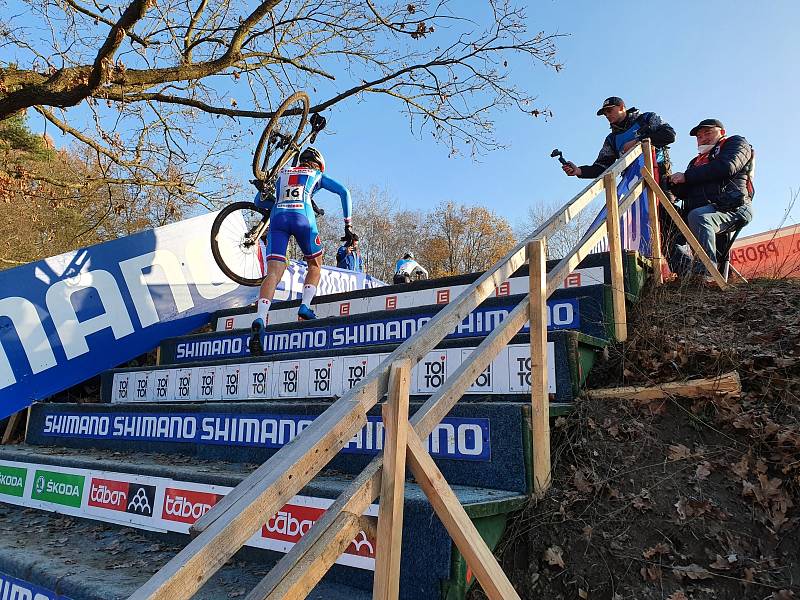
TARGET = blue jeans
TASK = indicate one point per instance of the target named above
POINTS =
(707, 222)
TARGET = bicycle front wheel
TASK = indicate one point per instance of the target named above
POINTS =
(278, 143)
(236, 242)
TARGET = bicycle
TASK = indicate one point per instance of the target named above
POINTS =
(239, 227)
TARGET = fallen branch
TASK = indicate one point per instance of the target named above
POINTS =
(724, 385)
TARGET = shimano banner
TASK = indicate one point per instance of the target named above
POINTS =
(67, 318)
(635, 223)
(454, 438)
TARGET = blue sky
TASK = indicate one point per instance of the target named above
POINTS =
(735, 60)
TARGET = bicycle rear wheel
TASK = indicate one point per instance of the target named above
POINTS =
(235, 237)
(278, 143)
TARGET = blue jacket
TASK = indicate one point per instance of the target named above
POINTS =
(351, 261)
(635, 126)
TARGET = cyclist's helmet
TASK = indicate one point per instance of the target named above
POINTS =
(311, 154)
(409, 255)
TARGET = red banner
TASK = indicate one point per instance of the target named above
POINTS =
(774, 254)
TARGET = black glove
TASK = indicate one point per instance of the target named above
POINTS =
(349, 236)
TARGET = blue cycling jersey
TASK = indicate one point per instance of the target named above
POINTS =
(292, 214)
(295, 188)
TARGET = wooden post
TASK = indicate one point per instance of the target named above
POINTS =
(540, 395)
(386, 583)
(615, 259)
(697, 249)
(11, 426)
(458, 524)
(652, 209)
(289, 571)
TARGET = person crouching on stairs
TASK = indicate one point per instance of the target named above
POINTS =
(292, 214)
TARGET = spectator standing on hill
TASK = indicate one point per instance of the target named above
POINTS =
(349, 257)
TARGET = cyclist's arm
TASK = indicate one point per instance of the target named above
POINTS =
(330, 184)
(421, 268)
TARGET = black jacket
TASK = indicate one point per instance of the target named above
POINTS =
(650, 125)
(723, 181)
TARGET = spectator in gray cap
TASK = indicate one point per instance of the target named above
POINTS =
(717, 186)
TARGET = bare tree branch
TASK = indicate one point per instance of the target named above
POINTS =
(156, 94)
(82, 9)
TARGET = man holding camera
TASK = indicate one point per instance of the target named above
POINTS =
(628, 127)
(717, 186)
(349, 256)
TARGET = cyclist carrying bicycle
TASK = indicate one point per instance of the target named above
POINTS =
(292, 214)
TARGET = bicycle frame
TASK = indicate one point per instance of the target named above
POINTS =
(294, 149)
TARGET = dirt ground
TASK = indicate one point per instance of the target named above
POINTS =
(677, 499)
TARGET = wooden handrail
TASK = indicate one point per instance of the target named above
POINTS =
(228, 525)
(365, 488)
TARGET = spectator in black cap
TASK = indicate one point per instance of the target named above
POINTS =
(629, 126)
(717, 186)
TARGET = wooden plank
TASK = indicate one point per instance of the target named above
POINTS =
(314, 566)
(413, 349)
(27, 422)
(697, 249)
(223, 530)
(386, 583)
(186, 572)
(365, 488)
(540, 396)
(356, 498)
(494, 582)
(725, 385)
(615, 259)
(590, 239)
(11, 426)
(655, 228)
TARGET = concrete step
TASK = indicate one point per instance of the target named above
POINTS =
(593, 271)
(478, 444)
(330, 373)
(50, 556)
(587, 309)
(165, 494)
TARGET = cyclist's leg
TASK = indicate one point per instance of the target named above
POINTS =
(307, 237)
(277, 243)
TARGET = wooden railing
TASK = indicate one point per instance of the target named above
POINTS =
(228, 525)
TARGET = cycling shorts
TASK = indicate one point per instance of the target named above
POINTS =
(292, 223)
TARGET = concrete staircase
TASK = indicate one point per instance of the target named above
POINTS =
(109, 489)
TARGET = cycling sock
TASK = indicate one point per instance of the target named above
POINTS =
(262, 308)
(308, 293)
